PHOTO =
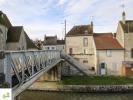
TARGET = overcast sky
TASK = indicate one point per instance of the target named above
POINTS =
(40, 17)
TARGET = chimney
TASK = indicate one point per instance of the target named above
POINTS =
(91, 26)
(44, 37)
(124, 17)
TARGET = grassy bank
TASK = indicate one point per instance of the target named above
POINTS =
(96, 80)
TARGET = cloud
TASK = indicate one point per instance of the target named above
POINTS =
(2, 1)
(61, 2)
(41, 17)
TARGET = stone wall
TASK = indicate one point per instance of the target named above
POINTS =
(87, 88)
(97, 88)
(84, 54)
(3, 37)
(120, 35)
(117, 56)
(128, 46)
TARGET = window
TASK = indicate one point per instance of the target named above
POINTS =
(85, 51)
(47, 48)
(131, 53)
(85, 42)
(85, 61)
(53, 48)
(70, 51)
(109, 53)
(103, 65)
(77, 59)
(114, 66)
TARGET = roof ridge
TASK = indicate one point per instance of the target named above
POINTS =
(82, 25)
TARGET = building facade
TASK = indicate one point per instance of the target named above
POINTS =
(125, 37)
(110, 54)
(80, 45)
(52, 43)
(13, 37)
(105, 53)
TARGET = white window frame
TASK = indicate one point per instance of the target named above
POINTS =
(114, 67)
(109, 53)
(85, 42)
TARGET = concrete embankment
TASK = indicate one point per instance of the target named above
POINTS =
(55, 87)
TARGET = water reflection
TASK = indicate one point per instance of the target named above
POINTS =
(40, 95)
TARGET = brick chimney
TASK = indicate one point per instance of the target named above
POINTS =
(91, 26)
(124, 17)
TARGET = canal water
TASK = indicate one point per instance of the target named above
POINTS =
(41, 95)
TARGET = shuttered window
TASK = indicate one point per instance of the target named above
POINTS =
(131, 53)
(85, 42)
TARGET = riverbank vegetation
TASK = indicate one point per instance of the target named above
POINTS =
(96, 80)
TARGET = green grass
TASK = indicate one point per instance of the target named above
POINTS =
(96, 80)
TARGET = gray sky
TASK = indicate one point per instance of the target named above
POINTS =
(40, 17)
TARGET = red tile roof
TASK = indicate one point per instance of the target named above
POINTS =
(106, 41)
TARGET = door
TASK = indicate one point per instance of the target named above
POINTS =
(103, 68)
(70, 51)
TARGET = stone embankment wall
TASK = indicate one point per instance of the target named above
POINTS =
(88, 88)
(98, 88)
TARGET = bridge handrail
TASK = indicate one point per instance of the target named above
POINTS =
(20, 59)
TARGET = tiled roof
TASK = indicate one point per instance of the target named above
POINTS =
(14, 33)
(4, 20)
(80, 30)
(52, 40)
(106, 41)
(60, 42)
(128, 26)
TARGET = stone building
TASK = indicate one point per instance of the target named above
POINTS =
(16, 39)
(124, 35)
(13, 37)
(105, 53)
(4, 25)
(52, 43)
(80, 45)
(109, 54)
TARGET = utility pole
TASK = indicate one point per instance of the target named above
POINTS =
(65, 27)
(65, 36)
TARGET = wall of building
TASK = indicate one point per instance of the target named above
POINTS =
(22, 41)
(126, 40)
(84, 54)
(61, 47)
(128, 46)
(13, 46)
(20, 45)
(49, 47)
(54, 47)
(117, 56)
(3, 37)
(120, 35)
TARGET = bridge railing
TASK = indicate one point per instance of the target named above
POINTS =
(20, 66)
